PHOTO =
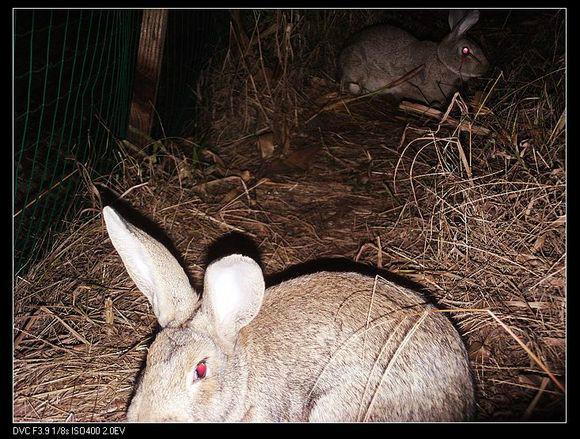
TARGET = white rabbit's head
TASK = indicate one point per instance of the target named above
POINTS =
(194, 367)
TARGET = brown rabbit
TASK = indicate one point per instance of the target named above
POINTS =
(381, 54)
(327, 346)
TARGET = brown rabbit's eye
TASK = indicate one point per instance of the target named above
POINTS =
(200, 370)
(465, 51)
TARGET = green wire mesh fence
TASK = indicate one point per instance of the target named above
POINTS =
(73, 72)
(73, 78)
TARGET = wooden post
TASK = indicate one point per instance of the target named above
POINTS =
(147, 71)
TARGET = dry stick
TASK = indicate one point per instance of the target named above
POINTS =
(528, 351)
(349, 340)
(241, 139)
(524, 386)
(239, 29)
(43, 193)
(534, 402)
(450, 107)
(69, 328)
(124, 194)
(221, 223)
(394, 358)
(251, 77)
(247, 193)
(558, 128)
(379, 253)
(502, 258)
(61, 390)
(209, 217)
(363, 330)
(261, 58)
(393, 84)
(482, 104)
(436, 114)
(67, 350)
(23, 332)
(402, 154)
(360, 407)
(549, 276)
(369, 313)
(465, 163)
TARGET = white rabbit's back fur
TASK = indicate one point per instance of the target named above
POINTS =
(320, 319)
(328, 346)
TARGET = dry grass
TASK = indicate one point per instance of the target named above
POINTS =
(479, 221)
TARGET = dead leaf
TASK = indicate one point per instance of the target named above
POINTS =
(561, 221)
(266, 145)
(478, 351)
(533, 305)
(245, 175)
(231, 195)
(325, 98)
(539, 244)
(285, 137)
(528, 380)
(318, 81)
(207, 154)
(529, 207)
(184, 170)
(558, 172)
(555, 341)
(532, 260)
(302, 158)
(109, 316)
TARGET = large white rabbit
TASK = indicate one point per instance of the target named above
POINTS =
(381, 54)
(329, 346)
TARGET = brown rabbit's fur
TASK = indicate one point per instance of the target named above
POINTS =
(380, 55)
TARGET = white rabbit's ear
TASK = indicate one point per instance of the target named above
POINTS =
(154, 270)
(461, 20)
(233, 293)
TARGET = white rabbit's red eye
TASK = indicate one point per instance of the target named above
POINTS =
(200, 370)
(465, 51)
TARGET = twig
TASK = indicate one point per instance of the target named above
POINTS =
(29, 322)
(533, 356)
(394, 359)
(67, 326)
(43, 193)
(534, 402)
(433, 113)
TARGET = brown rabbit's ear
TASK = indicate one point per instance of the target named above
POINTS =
(233, 293)
(154, 270)
(461, 20)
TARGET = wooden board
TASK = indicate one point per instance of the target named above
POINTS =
(147, 71)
